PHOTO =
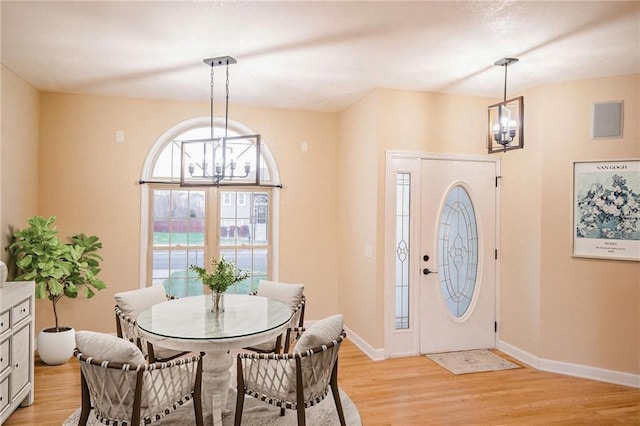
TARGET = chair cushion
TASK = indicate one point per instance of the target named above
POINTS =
(115, 384)
(105, 347)
(135, 301)
(320, 333)
(289, 294)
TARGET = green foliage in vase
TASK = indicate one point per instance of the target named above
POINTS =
(223, 275)
(58, 269)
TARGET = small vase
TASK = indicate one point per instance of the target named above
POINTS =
(217, 301)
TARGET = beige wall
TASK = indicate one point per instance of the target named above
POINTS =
(3, 255)
(590, 309)
(18, 156)
(520, 232)
(388, 120)
(553, 306)
(360, 294)
(582, 311)
(89, 182)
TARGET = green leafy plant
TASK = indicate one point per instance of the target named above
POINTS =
(223, 276)
(58, 269)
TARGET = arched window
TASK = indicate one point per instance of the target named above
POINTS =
(190, 225)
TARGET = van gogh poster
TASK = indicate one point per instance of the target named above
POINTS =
(607, 209)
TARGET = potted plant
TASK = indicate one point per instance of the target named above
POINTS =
(59, 269)
(224, 275)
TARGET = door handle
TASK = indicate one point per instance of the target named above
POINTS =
(427, 271)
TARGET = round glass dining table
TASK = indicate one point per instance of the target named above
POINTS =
(188, 324)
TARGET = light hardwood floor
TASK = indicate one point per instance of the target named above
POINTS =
(411, 391)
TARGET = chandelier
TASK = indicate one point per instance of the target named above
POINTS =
(506, 119)
(220, 159)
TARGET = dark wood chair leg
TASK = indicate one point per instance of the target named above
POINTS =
(137, 400)
(240, 394)
(299, 393)
(86, 401)
(301, 417)
(150, 353)
(118, 327)
(336, 393)
(278, 346)
(287, 341)
(197, 394)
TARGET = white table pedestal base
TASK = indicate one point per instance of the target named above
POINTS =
(216, 381)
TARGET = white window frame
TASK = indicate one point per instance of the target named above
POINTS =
(147, 170)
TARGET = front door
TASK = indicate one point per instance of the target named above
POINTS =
(457, 257)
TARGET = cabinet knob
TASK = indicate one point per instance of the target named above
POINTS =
(16, 366)
(23, 310)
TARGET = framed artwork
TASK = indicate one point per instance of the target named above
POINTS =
(606, 209)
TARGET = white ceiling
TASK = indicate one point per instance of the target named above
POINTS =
(318, 56)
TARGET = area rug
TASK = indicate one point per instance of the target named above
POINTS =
(474, 361)
(256, 413)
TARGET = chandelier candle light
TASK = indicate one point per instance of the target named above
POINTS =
(506, 119)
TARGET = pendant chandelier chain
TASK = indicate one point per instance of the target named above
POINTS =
(226, 114)
(211, 103)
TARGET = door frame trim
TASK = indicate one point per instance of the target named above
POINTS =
(399, 343)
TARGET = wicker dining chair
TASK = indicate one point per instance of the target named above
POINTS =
(292, 296)
(298, 380)
(128, 306)
(122, 389)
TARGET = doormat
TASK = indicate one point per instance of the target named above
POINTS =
(474, 361)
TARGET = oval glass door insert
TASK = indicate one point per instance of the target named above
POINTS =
(458, 251)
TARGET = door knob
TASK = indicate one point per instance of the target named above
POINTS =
(427, 271)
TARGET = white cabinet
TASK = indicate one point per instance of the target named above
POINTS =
(16, 346)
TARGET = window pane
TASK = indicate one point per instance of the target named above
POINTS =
(244, 224)
(171, 269)
(243, 234)
(242, 259)
(260, 218)
(403, 192)
(178, 218)
(178, 239)
(168, 163)
(458, 251)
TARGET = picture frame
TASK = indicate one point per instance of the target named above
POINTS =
(606, 209)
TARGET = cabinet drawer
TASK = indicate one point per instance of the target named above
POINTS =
(4, 393)
(21, 311)
(4, 355)
(20, 360)
(4, 321)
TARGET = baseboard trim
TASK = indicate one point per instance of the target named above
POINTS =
(569, 369)
(559, 367)
(371, 352)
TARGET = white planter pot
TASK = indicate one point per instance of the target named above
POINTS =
(56, 348)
